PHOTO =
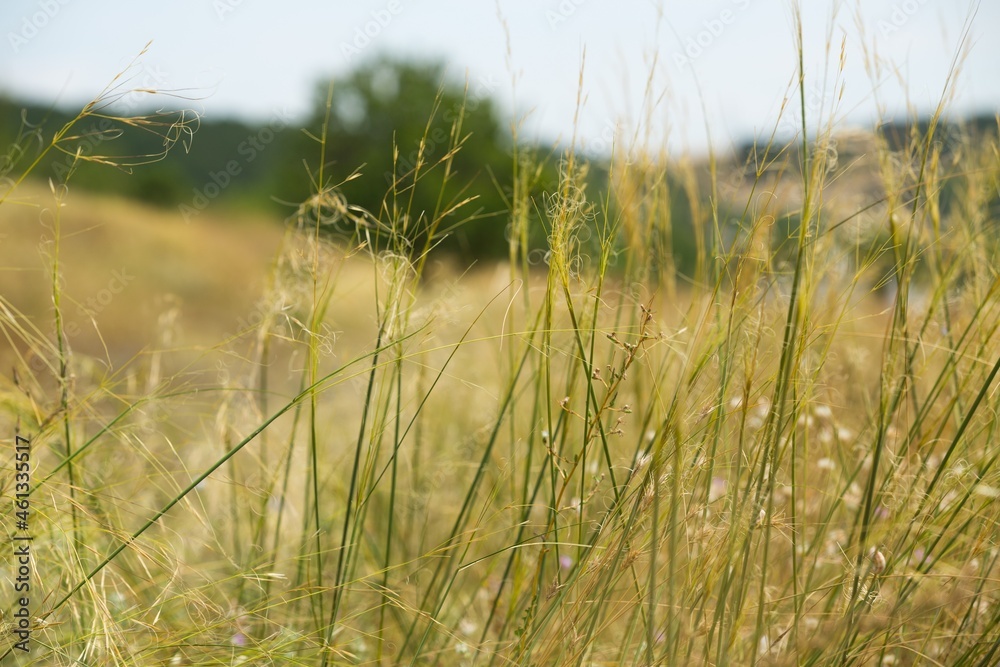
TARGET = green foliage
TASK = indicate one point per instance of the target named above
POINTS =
(422, 144)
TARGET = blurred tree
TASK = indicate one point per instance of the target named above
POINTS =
(423, 143)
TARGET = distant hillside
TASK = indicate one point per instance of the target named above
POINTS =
(235, 166)
(169, 182)
(897, 135)
(459, 197)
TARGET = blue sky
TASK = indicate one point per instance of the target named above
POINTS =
(721, 66)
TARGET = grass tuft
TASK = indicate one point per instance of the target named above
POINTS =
(780, 450)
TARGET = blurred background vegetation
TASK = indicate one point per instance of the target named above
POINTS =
(401, 135)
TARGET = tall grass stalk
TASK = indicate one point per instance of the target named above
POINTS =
(602, 451)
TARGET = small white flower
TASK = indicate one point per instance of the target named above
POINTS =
(763, 408)
(986, 491)
(878, 560)
(717, 489)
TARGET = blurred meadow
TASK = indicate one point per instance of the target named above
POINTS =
(402, 381)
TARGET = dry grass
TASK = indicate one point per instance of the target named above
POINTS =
(313, 454)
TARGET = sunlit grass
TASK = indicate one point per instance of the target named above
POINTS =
(786, 457)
